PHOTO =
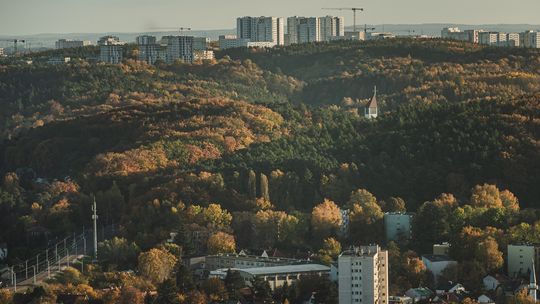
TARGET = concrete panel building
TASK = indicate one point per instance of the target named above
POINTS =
(363, 275)
(261, 29)
(512, 40)
(331, 28)
(488, 38)
(520, 259)
(397, 226)
(303, 29)
(200, 43)
(179, 48)
(148, 49)
(110, 53)
(530, 39)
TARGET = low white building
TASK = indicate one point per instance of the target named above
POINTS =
(437, 264)
(58, 60)
(441, 249)
(400, 300)
(276, 276)
(419, 294)
(454, 33)
(397, 226)
(230, 41)
(483, 299)
(492, 282)
(242, 261)
(67, 43)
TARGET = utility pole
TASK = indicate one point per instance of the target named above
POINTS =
(94, 218)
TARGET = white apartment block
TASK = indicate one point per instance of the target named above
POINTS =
(488, 38)
(473, 35)
(397, 226)
(455, 33)
(261, 29)
(520, 259)
(179, 48)
(363, 275)
(110, 53)
(148, 48)
(512, 40)
(501, 39)
(530, 39)
(203, 55)
(67, 44)
(1, 52)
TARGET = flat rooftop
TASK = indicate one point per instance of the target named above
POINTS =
(286, 269)
(437, 258)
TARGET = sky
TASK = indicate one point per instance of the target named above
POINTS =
(21, 17)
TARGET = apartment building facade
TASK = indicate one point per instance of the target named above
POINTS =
(363, 275)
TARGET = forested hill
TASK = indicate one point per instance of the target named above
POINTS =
(453, 116)
(405, 71)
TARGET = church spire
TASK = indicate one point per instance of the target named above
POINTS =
(371, 110)
(533, 287)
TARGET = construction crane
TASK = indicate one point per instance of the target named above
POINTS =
(15, 43)
(353, 9)
(180, 29)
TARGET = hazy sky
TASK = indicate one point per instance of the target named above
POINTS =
(84, 16)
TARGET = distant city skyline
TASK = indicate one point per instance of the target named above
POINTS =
(24, 17)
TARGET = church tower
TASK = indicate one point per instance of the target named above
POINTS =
(533, 287)
(371, 110)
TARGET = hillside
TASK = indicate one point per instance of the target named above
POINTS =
(251, 144)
